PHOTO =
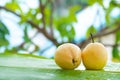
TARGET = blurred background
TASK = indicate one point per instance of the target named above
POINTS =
(37, 27)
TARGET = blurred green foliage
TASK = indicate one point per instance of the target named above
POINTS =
(59, 16)
(3, 33)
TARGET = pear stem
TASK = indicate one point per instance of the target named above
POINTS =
(92, 37)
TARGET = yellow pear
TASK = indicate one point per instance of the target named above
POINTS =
(68, 56)
(94, 56)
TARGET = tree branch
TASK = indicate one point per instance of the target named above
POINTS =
(51, 19)
(6, 9)
(111, 45)
(44, 32)
(99, 34)
(42, 7)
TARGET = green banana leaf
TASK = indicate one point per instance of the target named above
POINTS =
(28, 67)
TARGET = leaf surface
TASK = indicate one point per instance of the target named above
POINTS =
(21, 67)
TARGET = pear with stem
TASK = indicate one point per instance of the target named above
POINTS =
(94, 55)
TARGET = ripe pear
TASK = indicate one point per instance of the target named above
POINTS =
(94, 56)
(68, 56)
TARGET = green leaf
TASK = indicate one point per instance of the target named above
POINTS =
(117, 37)
(3, 42)
(26, 37)
(47, 15)
(66, 30)
(115, 53)
(113, 3)
(3, 28)
(3, 32)
(107, 18)
(95, 1)
(100, 2)
(20, 67)
(23, 19)
(92, 30)
(74, 9)
(13, 6)
(30, 15)
(72, 18)
(72, 13)
(92, 2)
(108, 11)
(71, 33)
(64, 24)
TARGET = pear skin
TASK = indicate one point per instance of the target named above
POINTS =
(94, 56)
(68, 56)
